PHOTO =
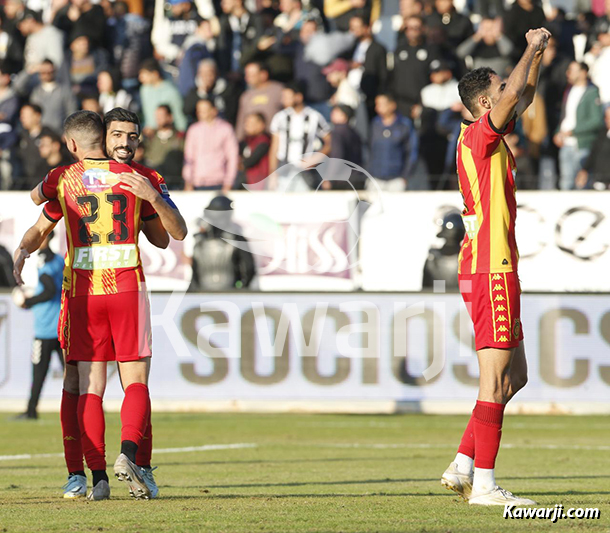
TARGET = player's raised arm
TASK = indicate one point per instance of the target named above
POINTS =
(504, 110)
(171, 218)
(532, 79)
(31, 241)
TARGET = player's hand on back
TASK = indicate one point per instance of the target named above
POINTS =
(138, 185)
(538, 38)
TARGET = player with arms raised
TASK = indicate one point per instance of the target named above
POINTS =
(488, 265)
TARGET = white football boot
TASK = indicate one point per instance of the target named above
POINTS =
(130, 473)
(76, 487)
(458, 482)
(498, 496)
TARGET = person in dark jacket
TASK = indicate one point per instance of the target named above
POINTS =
(219, 265)
(455, 26)
(82, 17)
(254, 152)
(369, 57)
(345, 143)
(522, 17)
(45, 304)
(412, 60)
(239, 29)
(394, 146)
(209, 86)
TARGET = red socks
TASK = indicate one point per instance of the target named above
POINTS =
(92, 429)
(467, 443)
(144, 453)
(487, 423)
(135, 413)
(68, 415)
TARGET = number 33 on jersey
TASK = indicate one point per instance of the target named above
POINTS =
(102, 225)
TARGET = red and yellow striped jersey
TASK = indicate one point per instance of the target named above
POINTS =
(102, 225)
(486, 170)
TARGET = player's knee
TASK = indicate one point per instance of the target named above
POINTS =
(71, 384)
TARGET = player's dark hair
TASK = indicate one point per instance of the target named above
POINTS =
(87, 126)
(118, 114)
(473, 85)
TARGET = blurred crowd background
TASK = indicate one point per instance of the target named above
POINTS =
(229, 91)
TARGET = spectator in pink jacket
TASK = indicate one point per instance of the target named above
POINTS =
(211, 151)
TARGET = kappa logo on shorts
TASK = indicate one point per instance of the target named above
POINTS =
(498, 287)
(496, 277)
(499, 298)
(502, 329)
(500, 308)
(516, 328)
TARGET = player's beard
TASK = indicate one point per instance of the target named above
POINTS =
(120, 159)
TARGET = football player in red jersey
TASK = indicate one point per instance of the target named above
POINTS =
(109, 278)
(488, 265)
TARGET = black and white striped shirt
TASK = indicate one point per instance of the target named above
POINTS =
(298, 133)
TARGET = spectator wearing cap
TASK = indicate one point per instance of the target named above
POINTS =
(345, 143)
(295, 131)
(442, 92)
(394, 146)
(82, 17)
(171, 29)
(156, 91)
(211, 151)
(111, 94)
(263, 96)
(455, 27)
(28, 155)
(369, 62)
(412, 59)
(254, 152)
(209, 85)
(488, 47)
(56, 100)
(164, 149)
(85, 64)
(239, 29)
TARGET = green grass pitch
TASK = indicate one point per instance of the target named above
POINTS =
(310, 473)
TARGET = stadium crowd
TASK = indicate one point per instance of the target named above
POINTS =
(231, 90)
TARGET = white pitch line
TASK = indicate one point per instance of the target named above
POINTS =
(204, 448)
(379, 446)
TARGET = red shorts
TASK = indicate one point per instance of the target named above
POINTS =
(494, 304)
(112, 327)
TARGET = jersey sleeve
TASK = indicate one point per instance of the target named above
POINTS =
(483, 137)
(48, 187)
(52, 210)
(157, 181)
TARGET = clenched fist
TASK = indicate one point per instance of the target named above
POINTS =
(538, 38)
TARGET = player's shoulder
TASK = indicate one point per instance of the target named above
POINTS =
(145, 171)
